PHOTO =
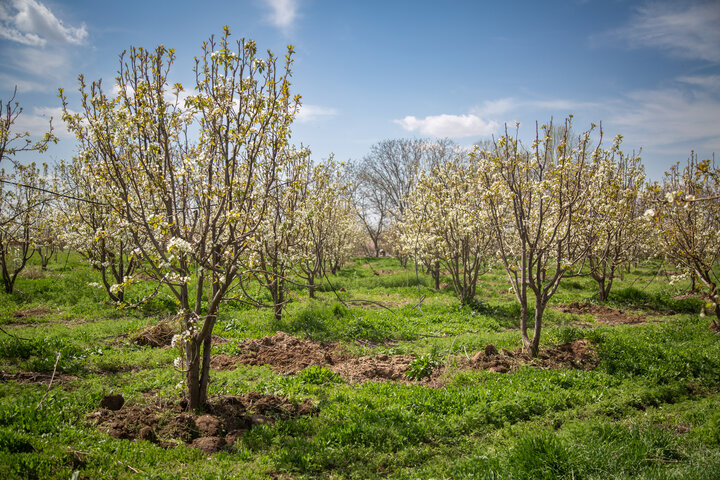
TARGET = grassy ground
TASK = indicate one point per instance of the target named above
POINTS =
(649, 410)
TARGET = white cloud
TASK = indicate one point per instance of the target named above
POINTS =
(683, 30)
(42, 63)
(309, 113)
(9, 82)
(452, 126)
(37, 122)
(32, 23)
(710, 82)
(662, 118)
(283, 12)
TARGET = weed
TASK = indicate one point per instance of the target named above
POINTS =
(424, 365)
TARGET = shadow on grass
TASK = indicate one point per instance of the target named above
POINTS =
(659, 302)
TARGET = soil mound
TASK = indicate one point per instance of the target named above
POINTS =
(578, 354)
(226, 420)
(380, 367)
(602, 313)
(289, 355)
(285, 353)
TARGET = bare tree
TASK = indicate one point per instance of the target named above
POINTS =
(384, 179)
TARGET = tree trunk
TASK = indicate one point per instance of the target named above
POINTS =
(192, 377)
(534, 345)
(436, 274)
(311, 286)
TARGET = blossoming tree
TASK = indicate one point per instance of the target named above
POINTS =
(94, 229)
(446, 219)
(534, 197)
(23, 201)
(613, 226)
(687, 223)
(191, 208)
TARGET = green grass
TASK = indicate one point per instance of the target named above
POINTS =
(649, 410)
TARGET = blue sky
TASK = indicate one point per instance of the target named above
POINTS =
(372, 70)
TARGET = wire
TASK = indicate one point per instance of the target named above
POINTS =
(64, 195)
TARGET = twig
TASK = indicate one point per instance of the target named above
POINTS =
(466, 354)
(134, 470)
(374, 303)
(13, 335)
(663, 460)
(57, 359)
(447, 359)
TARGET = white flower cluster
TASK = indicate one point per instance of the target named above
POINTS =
(179, 245)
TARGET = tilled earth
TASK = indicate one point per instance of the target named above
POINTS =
(288, 355)
(226, 419)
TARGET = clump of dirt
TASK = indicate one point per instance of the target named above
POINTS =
(158, 335)
(380, 367)
(578, 354)
(226, 420)
(112, 402)
(32, 312)
(284, 353)
(602, 313)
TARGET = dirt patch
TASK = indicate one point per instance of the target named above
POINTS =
(289, 355)
(378, 368)
(285, 353)
(602, 313)
(36, 377)
(578, 354)
(225, 421)
(32, 312)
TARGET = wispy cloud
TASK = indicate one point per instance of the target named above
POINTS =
(452, 126)
(282, 13)
(38, 121)
(23, 85)
(710, 82)
(685, 30)
(41, 63)
(310, 113)
(663, 118)
(29, 22)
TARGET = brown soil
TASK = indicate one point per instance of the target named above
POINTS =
(578, 354)
(287, 354)
(36, 377)
(284, 353)
(602, 313)
(226, 420)
(32, 312)
(378, 368)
